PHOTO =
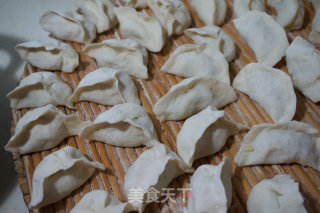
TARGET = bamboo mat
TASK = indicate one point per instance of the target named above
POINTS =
(117, 160)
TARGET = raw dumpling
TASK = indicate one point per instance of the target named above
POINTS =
(58, 174)
(51, 55)
(136, 3)
(127, 55)
(314, 36)
(99, 12)
(204, 134)
(211, 12)
(288, 142)
(241, 7)
(190, 60)
(271, 88)
(156, 168)
(277, 195)
(264, 35)
(100, 201)
(106, 86)
(211, 188)
(172, 14)
(70, 26)
(145, 29)
(215, 38)
(125, 125)
(290, 13)
(43, 128)
(192, 95)
(303, 62)
(39, 89)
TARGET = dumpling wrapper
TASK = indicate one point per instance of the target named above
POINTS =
(124, 125)
(43, 128)
(264, 35)
(140, 4)
(192, 95)
(145, 29)
(58, 174)
(216, 40)
(303, 61)
(290, 142)
(204, 134)
(271, 88)
(314, 36)
(156, 168)
(211, 12)
(190, 60)
(49, 55)
(106, 86)
(290, 13)
(99, 12)
(70, 26)
(172, 15)
(242, 7)
(211, 188)
(39, 89)
(278, 195)
(127, 55)
(100, 201)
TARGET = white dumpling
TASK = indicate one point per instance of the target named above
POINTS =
(314, 36)
(43, 128)
(125, 125)
(204, 134)
(106, 86)
(271, 88)
(100, 201)
(289, 142)
(303, 61)
(156, 168)
(127, 55)
(190, 60)
(70, 26)
(136, 3)
(172, 14)
(290, 13)
(192, 95)
(39, 89)
(49, 55)
(277, 195)
(99, 12)
(145, 29)
(264, 35)
(242, 7)
(211, 188)
(211, 12)
(58, 174)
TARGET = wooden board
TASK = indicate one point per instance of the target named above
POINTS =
(118, 160)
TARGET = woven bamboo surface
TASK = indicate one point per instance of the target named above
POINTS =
(117, 160)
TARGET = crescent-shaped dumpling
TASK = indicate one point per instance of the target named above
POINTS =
(242, 7)
(127, 55)
(289, 142)
(70, 26)
(43, 128)
(192, 95)
(279, 194)
(211, 12)
(264, 35)
(271, 88)
(49, 55)
(106, 86)
(314, 36)
(58, 174)
(145, 29)
(140, 4)
(154, 168)
(204, 134)
(211, 188)
(125, 125)
(39, 89)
